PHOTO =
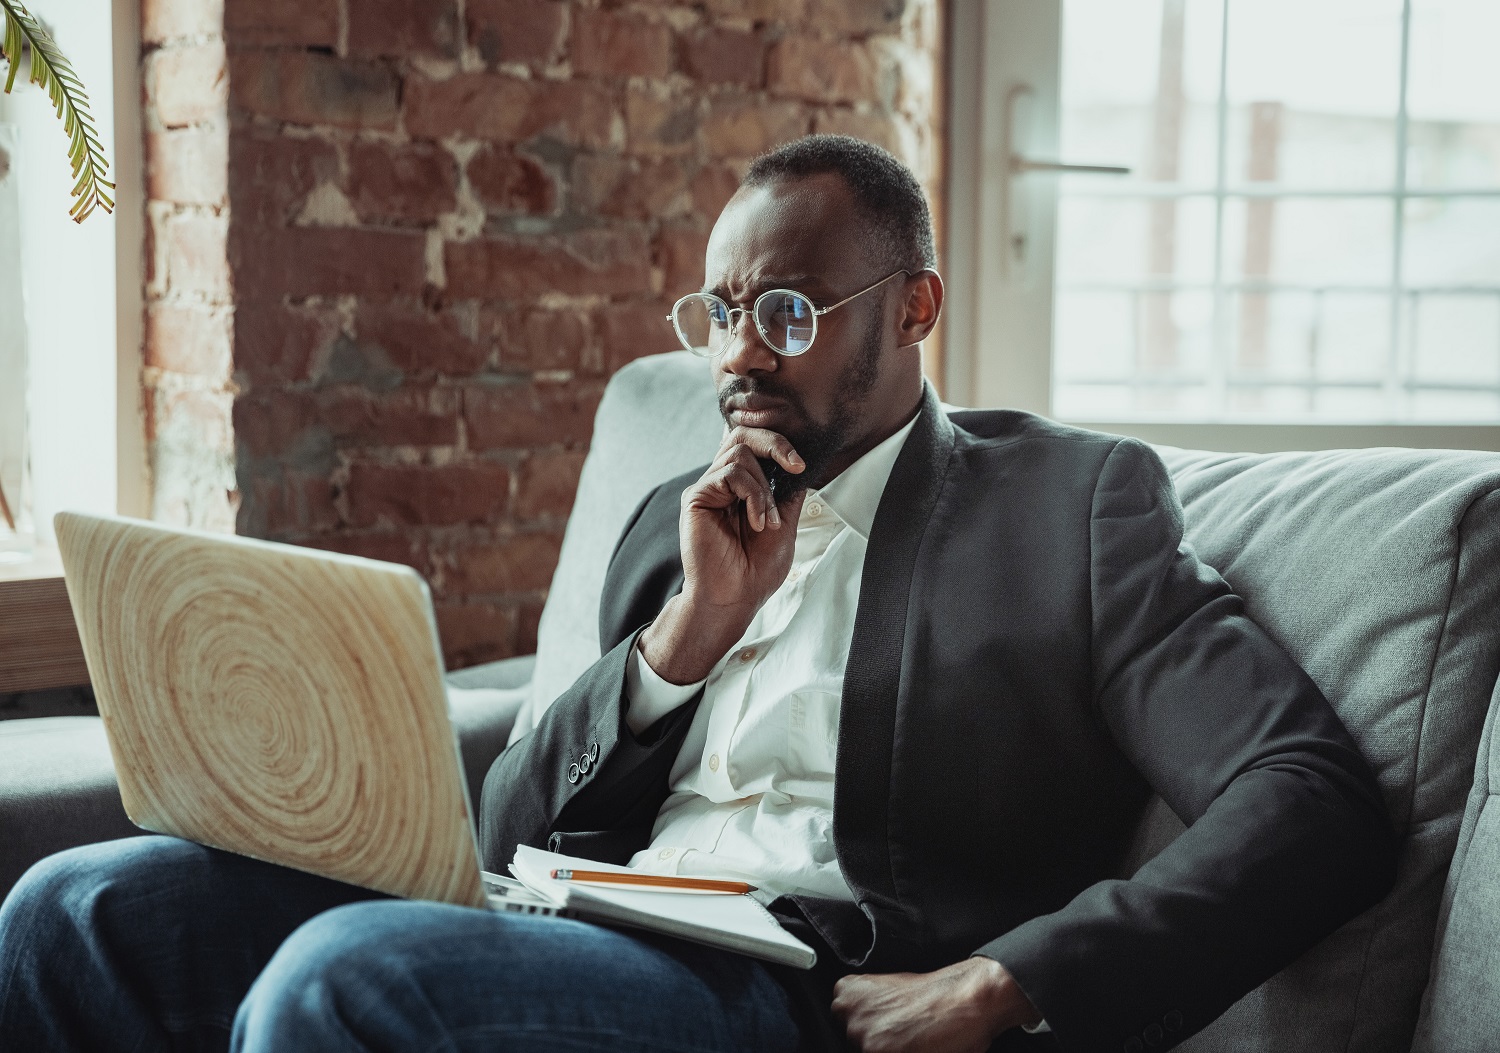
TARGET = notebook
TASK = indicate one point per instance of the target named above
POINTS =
(731, 922)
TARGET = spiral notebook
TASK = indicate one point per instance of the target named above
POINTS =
(734, 923)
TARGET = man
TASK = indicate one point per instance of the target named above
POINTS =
(913, 674)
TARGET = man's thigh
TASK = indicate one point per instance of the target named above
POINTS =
(422, 976)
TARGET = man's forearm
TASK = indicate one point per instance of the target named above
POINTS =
(687, 639)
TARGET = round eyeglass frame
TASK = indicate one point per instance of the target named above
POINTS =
(752, 310)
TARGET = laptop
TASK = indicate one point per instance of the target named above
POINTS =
(279, 702)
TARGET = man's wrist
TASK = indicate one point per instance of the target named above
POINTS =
(1005, 1003)
(686, 641)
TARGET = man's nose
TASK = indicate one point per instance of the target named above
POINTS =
(744, 350)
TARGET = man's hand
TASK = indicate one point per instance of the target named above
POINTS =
(737, 547)
(958, 1009)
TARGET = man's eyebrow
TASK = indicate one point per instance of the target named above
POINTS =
(795, 282)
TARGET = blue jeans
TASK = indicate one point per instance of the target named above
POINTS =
(153, 943)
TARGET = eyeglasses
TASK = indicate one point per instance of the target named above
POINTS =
(787, 320)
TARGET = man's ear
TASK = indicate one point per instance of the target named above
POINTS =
(919, 312)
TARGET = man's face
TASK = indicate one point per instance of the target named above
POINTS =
(803, 235)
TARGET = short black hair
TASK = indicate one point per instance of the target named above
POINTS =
(888, 196)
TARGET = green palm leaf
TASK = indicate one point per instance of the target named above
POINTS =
(51, 72)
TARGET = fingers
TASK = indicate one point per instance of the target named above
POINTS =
(738, 481)
(763, 443)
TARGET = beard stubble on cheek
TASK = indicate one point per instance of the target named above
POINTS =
(818, 443)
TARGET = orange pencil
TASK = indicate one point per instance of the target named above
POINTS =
(606, 877)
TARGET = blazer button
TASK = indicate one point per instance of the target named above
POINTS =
(1173, 1021)
(584, 764)
(1152, 1034)
(554, 842)
(573, 773)
(594, 752)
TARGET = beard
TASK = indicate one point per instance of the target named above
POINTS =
(818, 443)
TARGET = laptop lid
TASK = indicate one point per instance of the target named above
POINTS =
(279, 702)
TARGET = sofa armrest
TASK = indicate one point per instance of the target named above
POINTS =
(508, 672)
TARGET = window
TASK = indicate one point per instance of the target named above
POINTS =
(1309, 231)
(80, 283)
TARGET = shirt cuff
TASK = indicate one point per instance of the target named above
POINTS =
(648, 697)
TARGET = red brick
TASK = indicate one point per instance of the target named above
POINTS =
(277, 344)
(530, 338)
(659, 121)
(822, 70)
(527, 620)
(877, 128)
(738, 127)
(321, 261)
(188, 338)
(188, 166)
(288, 504)
(269, 179)
(427, 495)
(629, 330)
(723, 56)
(407, 416)
(602, 262)
(309, 87)
(548, 483)
(197, 261)
(296, 23)
(526, 31)
(502, 108)
(402, 28)
(856, 17)
(186, 85)
(418, 340)
(517, 416)
(275, 425)
(473, 633)
(713, 186)
(518, 563)
(163, 20)
(680, 251)
(385, 547)
(614, 45)
(611, 185)
(763, 10)
(407, 182)
(511, 183)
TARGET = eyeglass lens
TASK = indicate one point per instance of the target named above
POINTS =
(786, 319)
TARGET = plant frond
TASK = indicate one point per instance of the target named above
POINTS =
(51, 72)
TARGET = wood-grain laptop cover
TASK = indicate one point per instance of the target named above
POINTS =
(279, 702)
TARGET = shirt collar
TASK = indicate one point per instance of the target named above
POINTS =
(855, 495)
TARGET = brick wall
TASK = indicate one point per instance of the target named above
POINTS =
(448, 222)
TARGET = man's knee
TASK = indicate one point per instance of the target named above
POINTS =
(88, 883)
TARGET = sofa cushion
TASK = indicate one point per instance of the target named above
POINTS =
(1461, 1009)
(1379, 571)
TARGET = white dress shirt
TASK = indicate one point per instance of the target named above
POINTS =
(752, 787)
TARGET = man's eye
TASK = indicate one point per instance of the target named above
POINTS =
(718, 315)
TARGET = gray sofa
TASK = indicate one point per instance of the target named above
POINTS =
(1379, 570)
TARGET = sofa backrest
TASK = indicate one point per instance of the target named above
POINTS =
(1378, 570)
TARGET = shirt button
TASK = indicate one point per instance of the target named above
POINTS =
(747, 655)
(666, 853)
(814, 509)
(713, 763)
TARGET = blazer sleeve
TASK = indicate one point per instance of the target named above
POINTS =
(1287, 834)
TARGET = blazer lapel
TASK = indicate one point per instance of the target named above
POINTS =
(867, 711)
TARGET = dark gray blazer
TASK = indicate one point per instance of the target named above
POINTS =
(1035, 652)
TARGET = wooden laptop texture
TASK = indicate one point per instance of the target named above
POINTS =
(279, 702)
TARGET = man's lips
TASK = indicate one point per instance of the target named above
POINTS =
(755, 411)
